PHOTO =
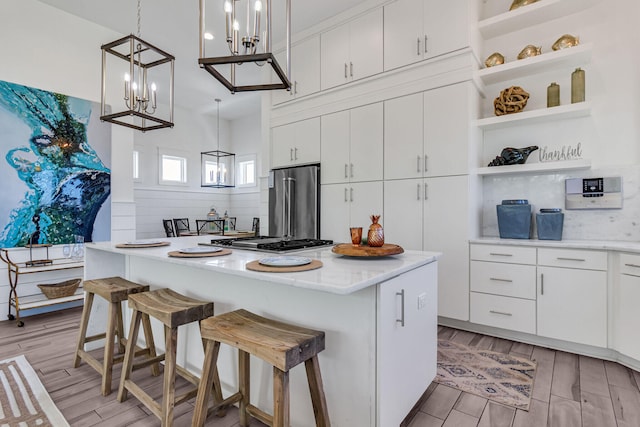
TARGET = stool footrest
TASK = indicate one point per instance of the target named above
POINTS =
(260, 415)
(143, 397)
(95, 337)
(186, 396)
(188, 376)
(147, 362)
(91, 361)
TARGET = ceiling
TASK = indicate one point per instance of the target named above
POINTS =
(172, 25)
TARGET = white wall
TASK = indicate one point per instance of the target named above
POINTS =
(609, 137)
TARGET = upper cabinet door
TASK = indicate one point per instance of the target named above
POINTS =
(307, 141)
(366, 147)
(403, 33)
(305, 61)
(282, 143)
(366, 44)
(403, 139)
(305, 70)
(446, 130)
(446, 26)
(334, 57)
(334, 148)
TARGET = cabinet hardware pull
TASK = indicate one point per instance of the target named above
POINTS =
(632, 265)
(295, 87)
(500, 312)
(425, 44)
(345, 170)
(426, 186)
(345, 195)
(418, 46)
(351, 167)
(498, 254)
(570, 259)
(500, 280)
(418, 164)
(418, 193)
(630, 275)
(291, 154)
(295, 154)
(401, 319)
(541, 283)
(345, 70)
(351, 69)
(351, 194)
(425, 163)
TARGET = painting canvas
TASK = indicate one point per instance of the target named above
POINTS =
(54, 168)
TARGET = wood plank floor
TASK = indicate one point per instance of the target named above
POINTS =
(48, 342)
(569, 390)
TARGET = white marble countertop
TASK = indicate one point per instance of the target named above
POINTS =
(608, 245)
(339, 274)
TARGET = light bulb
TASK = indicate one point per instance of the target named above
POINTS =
(258, 6)
(153, 87)
(208, 36)
(127, 77)
(236, 25)
(227, 7)
(134, 86)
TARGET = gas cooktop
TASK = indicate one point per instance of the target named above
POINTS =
(271, 244)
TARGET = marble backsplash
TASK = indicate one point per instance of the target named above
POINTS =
(547, 191)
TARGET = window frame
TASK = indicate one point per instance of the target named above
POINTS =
(176, 155)
(245, 158)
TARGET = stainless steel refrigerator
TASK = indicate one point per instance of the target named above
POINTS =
(294, 202)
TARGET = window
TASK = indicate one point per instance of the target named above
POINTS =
(246, 171)
(214, 173)
(173, 168)
(136, 165)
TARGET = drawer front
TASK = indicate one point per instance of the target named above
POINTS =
(573, 258)
(500, 253)
(504, 279)
(503, 312)
(630, 264)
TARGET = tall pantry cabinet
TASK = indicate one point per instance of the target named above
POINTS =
(426, 187)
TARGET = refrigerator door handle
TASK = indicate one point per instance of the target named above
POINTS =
(287, 207)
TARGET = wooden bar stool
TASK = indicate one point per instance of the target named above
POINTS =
(173, 310)
(114, 290)
(279, 344)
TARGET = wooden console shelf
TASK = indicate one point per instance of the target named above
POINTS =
(29, 302)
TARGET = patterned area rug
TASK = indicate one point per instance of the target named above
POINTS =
(23, 399)
(495, 376)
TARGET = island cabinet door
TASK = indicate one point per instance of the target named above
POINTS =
(407, 341)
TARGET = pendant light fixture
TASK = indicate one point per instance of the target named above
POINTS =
(246, 46)
(146, 73)
(218, 167)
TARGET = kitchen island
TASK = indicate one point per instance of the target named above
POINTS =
(379, 316)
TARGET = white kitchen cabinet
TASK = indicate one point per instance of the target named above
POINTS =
(572, 301)
(407, 306)
(352, 50)
(348, 205)
(305, 70)
(296, 143)
(427, 134)
(351, 145)
(514, 314)
(421, 214)
(627, 316)
(415, 30)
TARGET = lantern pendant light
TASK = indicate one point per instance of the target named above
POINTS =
(217, 166)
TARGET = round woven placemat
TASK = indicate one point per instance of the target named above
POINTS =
(142, 245)
(256, 266)
(178, 254)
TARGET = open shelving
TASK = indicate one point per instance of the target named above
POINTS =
(541, 115)
(535, 167)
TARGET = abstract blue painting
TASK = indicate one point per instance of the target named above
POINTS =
(54, 169)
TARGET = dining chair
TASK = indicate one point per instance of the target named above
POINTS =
(255, 227)
(232, 223)
(168, 227)
(210, 226)
(181, 225)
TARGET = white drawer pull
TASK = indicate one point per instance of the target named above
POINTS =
(630, 275)
(632, 265)
(570, 259)
(497, 254)
(500, 312)
(500, 280)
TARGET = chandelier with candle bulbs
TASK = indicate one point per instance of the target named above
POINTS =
(143, 63)
(246, 44)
